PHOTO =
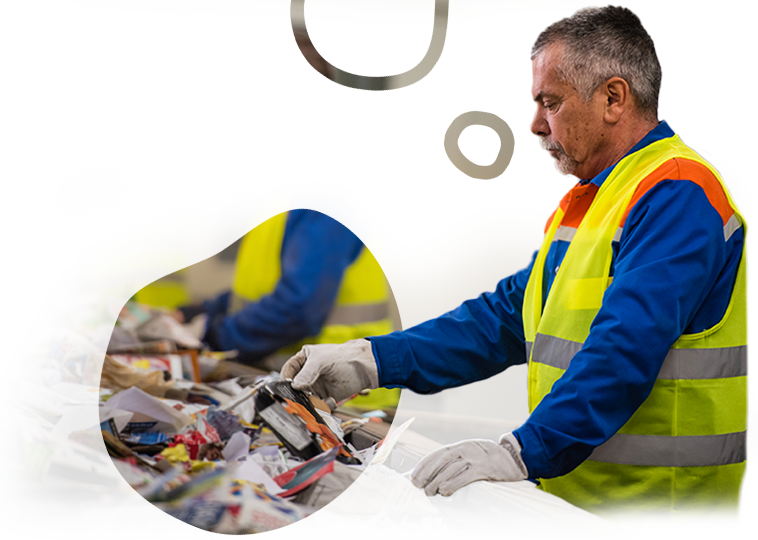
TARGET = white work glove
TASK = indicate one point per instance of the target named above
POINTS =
(451, 467)
(336, 371)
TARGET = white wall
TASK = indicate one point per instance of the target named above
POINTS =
(425, 281)
(73, 28)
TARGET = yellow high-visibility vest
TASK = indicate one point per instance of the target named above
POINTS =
(26, 203)
(139, 240)
(360, 310)
(685, 446)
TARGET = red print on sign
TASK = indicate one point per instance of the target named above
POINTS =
(197, 78)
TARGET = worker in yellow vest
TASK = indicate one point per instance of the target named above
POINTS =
(43, 121)
(124, 214)
(631, 316)
(310, 268)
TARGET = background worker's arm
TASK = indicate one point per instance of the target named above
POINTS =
(316, 250)
(480, 338)
(212, 308)
(55, 242)
(674, 274)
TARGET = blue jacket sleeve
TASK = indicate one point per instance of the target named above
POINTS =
(216, 306)
(54, 243)
(480, 338)
(316, 250)
(673, 272)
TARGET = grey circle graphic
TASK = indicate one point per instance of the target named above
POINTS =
(465, 165)
(387, 83)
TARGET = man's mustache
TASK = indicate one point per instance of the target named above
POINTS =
(551, 146)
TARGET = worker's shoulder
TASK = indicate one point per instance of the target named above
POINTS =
(681, 175)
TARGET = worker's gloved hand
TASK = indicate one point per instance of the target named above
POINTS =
(451, 467)
(337, 371)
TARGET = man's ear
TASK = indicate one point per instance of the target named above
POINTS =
(618, 99)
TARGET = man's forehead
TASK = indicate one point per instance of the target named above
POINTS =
(545, 75)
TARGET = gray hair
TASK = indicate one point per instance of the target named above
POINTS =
(51, 95)
(601, 43)
(266, 44)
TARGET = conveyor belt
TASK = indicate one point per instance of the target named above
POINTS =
(488, 507)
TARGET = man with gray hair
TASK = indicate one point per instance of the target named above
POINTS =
(44, 122)
(631, 315)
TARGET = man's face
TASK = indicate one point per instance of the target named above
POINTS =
(33, 127)
(261, 101)
(571, 129)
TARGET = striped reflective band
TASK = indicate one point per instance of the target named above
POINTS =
(705, 363)
(662, 451)
(113, 280)
(103, 246)
(731, 226)
(564, 233)
(347, 315)
(567, 233)
(678, 364)
(357, 313)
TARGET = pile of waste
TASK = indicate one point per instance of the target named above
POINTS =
(108, 430)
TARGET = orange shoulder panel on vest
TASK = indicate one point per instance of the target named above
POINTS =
(575, 205)
(685, 169)
(579, 200)
(550, 220)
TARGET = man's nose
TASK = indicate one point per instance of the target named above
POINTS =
(539, 125)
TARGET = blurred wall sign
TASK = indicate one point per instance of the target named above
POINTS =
(197, 78)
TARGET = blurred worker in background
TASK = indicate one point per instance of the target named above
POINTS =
(124, 213)
(43, 121)
(310, 268)
(631, 315)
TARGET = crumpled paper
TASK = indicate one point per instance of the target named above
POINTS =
(117, 377)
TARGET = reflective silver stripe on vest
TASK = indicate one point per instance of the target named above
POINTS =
(347, 315)
(705, 363)
(678, 364)
(664, 451)
(529, 346)
(114, 280)
(554, 351)
(98, 247)
(564, 233)
(617, 236)
(350, 314)
(731, 226)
